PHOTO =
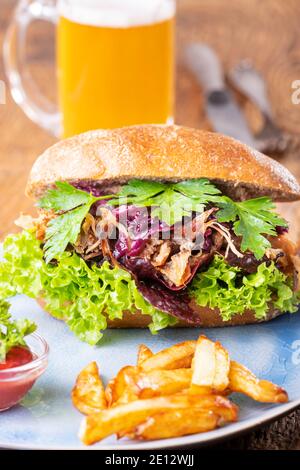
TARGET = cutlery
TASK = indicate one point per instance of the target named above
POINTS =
(222, 109)
(250, 82)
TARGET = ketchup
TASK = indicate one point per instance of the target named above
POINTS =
(17, 356)
(13, 387)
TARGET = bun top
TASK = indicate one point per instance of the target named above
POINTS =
(159, 152)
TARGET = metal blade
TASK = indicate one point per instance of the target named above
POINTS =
(223, 111)
(227, 118)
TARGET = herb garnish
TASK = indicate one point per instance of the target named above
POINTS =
(170, 202)
(251, 219)
(12, 333)
(72, 205)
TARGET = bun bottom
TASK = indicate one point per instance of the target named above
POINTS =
(210, 318)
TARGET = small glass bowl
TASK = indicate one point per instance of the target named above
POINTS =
(17, 381)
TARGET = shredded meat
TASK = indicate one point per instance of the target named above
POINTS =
(178, 270)
(296, 262)
(289, 262)
(175, 261)
(274, 253)
(180, 264)
(42, 222)
(87, 243)
(160, 258)
(288, 249)
(152, 248)
(198, 225)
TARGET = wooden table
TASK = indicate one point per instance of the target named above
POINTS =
(266, 32)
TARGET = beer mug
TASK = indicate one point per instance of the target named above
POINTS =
(115, 63)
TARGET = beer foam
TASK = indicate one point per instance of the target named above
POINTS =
(116, 13)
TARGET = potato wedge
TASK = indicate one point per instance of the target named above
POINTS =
(109, 392)
(163, 382)
(88, 393)
(221, 379)
(143, 353)
(243, 380)
(178, 391)
(123, 388)
(210, 367)
(125, 418)
(132, 384)
(176, 357)
(176, 424)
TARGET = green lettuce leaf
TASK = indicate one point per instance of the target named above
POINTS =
(81, 296)
(224, 287)
(12, 333)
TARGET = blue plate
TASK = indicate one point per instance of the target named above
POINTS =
(46, 418)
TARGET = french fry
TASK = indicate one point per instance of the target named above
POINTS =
(132, 384)
(176, 357)
(163, 382)
(88, 393)
(243, 380)
(143, 353)
(109, 392)
(125, 418)
(210, 367)
(221, 379)
(176, 424)
(123, 388)
(178, 391)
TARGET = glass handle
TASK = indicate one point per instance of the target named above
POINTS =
(24, 90)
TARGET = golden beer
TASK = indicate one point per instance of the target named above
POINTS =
(111, 76)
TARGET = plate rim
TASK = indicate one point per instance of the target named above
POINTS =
(200, 438)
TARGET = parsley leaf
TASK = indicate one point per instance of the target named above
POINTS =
(252, 219)
(139, 190)
(64, 198)
(63, 230)
(171, 206)
(12, 333)
(170, 202)
(198, 189)
(72, 206)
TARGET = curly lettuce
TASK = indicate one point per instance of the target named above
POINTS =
(225, 287)
(12, 332)
(83, 297)
(86, 297)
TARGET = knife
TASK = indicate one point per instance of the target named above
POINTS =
(222, 109)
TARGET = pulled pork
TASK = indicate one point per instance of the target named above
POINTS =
(88, 244)
(38, 223)
(172, 262)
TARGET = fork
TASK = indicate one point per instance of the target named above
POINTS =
(250, 82)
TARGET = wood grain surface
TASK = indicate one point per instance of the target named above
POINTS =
(266, 32)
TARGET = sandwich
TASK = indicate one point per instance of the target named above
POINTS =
(154, 226)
